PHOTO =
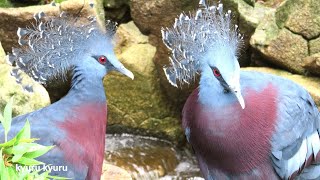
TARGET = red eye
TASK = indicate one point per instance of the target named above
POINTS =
(216, 72)
(102, 59)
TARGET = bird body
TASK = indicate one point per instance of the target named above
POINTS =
(76, 124)
(237, 143)
(241, 125)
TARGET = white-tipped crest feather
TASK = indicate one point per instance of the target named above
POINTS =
(50, 45)
(193, 37)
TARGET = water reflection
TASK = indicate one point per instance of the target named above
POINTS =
(150, 158)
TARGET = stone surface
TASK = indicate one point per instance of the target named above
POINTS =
(270, 3)
(312, 64)
(24, 101)
(248, 19)
(284, 11)
(2, 55)
(143, 157)
(21, 17)
(111, 172)
(151, 16)
(139, 106)
(314, 46)
(288, 51)
(305, 19)
(280, 46)
(311, 84)
(151, 162)
(287, 37)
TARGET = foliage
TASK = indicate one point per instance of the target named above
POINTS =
(5, 3)
(20, 151)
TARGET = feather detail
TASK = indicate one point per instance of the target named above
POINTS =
(194, 36)
(49, 47)
(287, 166)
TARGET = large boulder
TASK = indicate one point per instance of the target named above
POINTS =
(139, 106)
(24, 101)
(114, 172)
(22, 17)
(287, 37)
(311, 84)
(151, 16)
(312, 64)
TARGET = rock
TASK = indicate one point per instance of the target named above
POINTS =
(2, 55)
(149, 160)
(314, 46)
(311, 84)
(142, 157)
(270, 3)
(303, 17)
(280, 46)
(289, 35)
(24, 101)
(139, 106)
(312, 64)
(21, 17)
(151, 16)
(110, 172)
(117, 10)
(248, 15)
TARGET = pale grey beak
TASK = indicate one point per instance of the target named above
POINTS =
(125, 71)
(237, 93)
(119, 66)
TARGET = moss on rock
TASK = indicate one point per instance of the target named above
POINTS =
(138, 106)
(24, 102)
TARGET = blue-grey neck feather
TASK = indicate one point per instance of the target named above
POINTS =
(50, 47)
(196, 36)
(87, 85)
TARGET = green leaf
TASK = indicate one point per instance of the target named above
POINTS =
(16, 157)
(12, 172)
(25, 132)
(22, 148)
(9, 143)
(1, 162)
(29, 161)
(7, 117)
(23, 174)
(7, 150)
(3, 170)
(28, 140)
(39, 152)
(5, 174)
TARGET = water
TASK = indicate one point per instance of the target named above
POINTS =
(150, 158)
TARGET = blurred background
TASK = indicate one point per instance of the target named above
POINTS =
(145, 139)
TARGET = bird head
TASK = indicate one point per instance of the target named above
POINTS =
(223, 67)
(205, 43)
(102, 58)
(55, 45)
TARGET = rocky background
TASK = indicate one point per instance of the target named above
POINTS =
(282, 37)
